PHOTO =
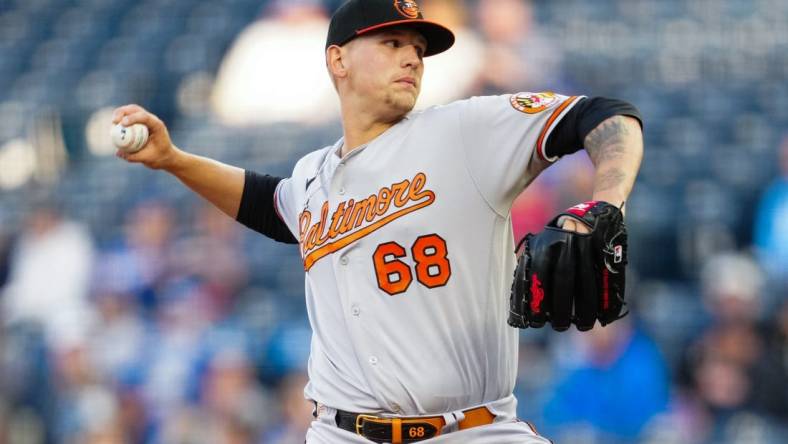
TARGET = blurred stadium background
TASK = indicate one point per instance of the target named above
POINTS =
(132, 313)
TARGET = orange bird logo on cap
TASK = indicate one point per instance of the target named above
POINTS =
(408, 8)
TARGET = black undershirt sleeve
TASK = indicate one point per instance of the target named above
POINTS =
(568, 135)
(257, 210)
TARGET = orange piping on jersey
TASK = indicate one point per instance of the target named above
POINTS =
(549, 123)
(351, 214)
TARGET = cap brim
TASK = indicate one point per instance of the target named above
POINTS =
(439, 38)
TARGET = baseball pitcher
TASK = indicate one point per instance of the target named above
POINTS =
(405, 232)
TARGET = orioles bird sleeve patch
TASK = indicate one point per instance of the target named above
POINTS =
(532, 103)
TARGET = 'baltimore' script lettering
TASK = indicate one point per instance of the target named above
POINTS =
(347, 222)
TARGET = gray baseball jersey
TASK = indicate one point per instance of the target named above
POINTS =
(408, 249)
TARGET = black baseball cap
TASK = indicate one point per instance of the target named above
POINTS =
(359, 17)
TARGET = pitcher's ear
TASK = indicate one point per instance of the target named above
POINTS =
(335, 59)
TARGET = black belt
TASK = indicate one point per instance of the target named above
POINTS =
(392, 430)
(407, 429)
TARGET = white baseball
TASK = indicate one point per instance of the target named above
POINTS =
(130, 139)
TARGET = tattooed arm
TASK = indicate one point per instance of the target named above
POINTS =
(610, 131)
(616, 149)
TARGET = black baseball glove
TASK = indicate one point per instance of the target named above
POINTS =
(563, 277)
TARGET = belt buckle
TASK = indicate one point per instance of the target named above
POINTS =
(360, 423)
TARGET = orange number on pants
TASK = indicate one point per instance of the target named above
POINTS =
(394, 276)
(432, 264)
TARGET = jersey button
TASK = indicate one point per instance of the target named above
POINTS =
(373, 360)
(342, 191)
(396, 408)
(355, 310)
(343, 261)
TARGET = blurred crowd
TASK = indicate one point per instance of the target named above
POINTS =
(132, 312)
(155, 336)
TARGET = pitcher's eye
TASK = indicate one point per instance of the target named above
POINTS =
(392, 43)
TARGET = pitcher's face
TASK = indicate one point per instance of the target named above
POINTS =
(386, 67)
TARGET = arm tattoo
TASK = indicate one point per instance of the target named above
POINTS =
(609, 179)
(616, 149)
(609, 140)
